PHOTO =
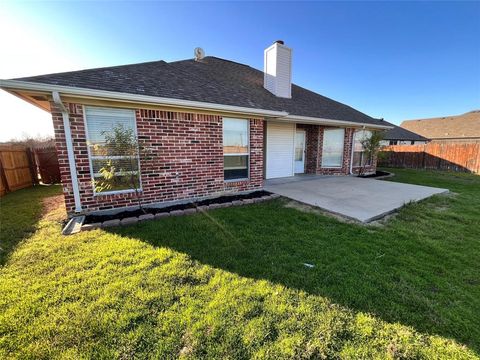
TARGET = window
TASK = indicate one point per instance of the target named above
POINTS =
(332, 151)
(359, 158)
(113, 149)
(235, 149)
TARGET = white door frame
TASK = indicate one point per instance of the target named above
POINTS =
(303, 150)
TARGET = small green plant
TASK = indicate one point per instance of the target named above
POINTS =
(371, 146)
(121, 170)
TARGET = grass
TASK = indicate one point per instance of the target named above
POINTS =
(232, 284)
(19, 212)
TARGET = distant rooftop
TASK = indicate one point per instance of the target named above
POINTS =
(399, 133)
(464, 126)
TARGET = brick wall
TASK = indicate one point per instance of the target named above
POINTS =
(311, 147)
(314, 146)
(346, 158)
(185, 158)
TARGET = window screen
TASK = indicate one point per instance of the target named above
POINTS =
(332, 151)
(113, 149)
(359, 157)
(235, 149)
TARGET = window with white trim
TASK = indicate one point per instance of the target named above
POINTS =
(332, 149)
(113, 149)
(235, 149)
(359, 156)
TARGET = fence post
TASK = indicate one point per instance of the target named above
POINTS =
(423, 158)
(32, 166)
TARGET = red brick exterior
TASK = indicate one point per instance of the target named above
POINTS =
(347, 146)
(314, 146)
(311, 147)
(185, 158)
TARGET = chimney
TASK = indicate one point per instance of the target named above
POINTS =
(278, 70)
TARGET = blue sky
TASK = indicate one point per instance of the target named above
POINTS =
(396, 60)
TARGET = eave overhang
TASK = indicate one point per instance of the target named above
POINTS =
(39, 95)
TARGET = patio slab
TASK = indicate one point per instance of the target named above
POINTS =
(364, 200)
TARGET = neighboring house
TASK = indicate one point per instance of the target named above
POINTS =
(401, 136)
(459, 128)
(211, 125)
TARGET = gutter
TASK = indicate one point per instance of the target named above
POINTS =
(314, 120)
(71, 157)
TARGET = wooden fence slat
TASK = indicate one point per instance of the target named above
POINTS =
(47, 163)
(438, 156)
(16, 167)
(3, 180)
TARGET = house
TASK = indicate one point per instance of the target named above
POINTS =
(212, 126)
(459, 128)
(401, 136)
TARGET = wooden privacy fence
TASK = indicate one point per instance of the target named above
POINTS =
(438, 156)
(22, 167)
(47, 165)
(15, 168)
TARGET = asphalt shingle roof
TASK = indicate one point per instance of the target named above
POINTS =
(398, 133)
(210, 80)
(465, 126)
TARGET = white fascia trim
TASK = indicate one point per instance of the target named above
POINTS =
(113, 95)
(71, 156)
(322, 121)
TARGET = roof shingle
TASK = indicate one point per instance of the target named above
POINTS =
(465, 126)
(210, 80)
(398, 133)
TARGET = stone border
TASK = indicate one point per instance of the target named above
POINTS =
(134, 219)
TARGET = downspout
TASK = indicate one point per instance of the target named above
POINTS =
(71, 157)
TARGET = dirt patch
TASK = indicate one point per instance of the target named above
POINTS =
(450, 194)
(384, 220)
(54, 208)
(446, 202)
(314, 210)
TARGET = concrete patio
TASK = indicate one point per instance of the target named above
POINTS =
(360, 199)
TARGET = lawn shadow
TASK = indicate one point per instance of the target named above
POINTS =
(383, 271)
(20, 212)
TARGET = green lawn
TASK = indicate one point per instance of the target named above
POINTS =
(19, 213)
(231, 284)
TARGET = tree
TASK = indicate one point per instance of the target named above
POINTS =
(371, 146)
(121, 154)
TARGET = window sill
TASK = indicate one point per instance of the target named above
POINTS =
(116, 192)
(331, 167)
(236, 180)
